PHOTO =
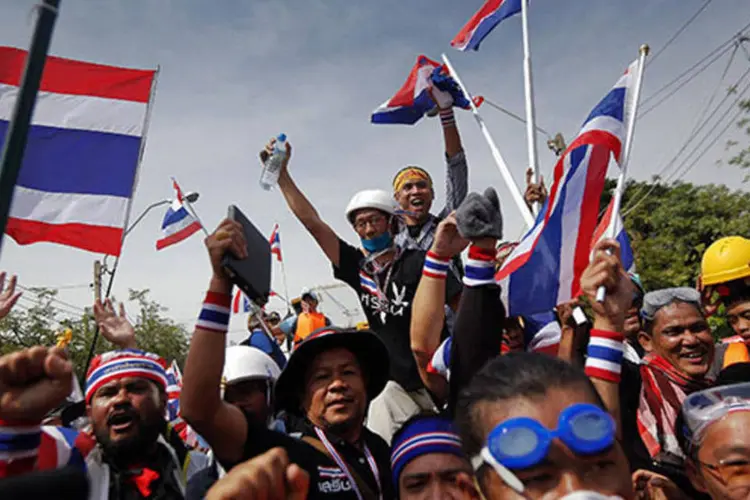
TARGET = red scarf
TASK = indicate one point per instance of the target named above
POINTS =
(143, 479)
(663, 390)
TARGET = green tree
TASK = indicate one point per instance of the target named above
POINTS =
(671, 225)
(40, 324)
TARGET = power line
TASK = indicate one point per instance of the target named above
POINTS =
(679, 32)
(682, 84)
(699, 125)
(692, 155)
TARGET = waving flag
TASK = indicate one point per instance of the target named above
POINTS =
(178, 223)
(545, 268)
(626, 251)
(276, 242)
(80, 166)
(240, 298)
(413, 100)
(484, 21)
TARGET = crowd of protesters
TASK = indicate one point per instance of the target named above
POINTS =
(440, 397)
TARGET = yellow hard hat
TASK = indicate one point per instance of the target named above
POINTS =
(726, 260)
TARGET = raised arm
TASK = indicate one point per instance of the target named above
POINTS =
(222, 425)
(428, 310)
(603, 365)
(304, 210)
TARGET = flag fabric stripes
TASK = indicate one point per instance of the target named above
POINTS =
(275, 241)
(80, 165)
(178, 223)
(483, 22)
(626, 251)
(544, 269)
(240, 297)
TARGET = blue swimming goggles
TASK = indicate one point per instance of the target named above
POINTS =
(520, 443)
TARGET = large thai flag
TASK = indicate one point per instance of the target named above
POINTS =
(605, 228)
(80, 165)
(544, 270)
(484, 21)
(178, 223)
(275, 241)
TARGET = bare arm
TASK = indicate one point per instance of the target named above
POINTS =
(306, 213)
(221, 424)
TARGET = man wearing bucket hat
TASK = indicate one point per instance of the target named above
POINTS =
(385, 278)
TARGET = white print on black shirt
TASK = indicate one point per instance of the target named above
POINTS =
(384, 306)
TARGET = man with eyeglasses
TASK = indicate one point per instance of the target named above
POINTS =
(385, 277)
(716, 441)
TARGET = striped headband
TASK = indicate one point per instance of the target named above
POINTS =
(115, 365)
(410, 174)
(422, 436)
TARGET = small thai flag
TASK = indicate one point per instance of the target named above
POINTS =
(240, 297)
(275, 242)
(483, 22)
(367, 283)
(178, 224)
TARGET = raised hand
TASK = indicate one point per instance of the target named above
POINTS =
(606, 270)
(448, 241)
(535, 193)
(269, 476)
(115, 328)
(8, 296)
(33, 382)
(268, 151)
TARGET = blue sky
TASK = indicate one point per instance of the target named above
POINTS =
(235, 73)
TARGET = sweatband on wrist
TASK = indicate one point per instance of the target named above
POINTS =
(480, 267)
(447, 118)
(214, 315)
(19, 443)
(604, 355)
(435, 266)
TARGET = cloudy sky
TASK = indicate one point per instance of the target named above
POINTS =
(234, 73)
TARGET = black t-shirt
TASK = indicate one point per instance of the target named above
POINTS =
(392, 321)
(327, 480)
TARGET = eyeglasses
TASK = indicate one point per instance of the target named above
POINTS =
(375, 220)
(520, 443)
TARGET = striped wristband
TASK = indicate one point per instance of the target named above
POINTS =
(480, 267)
(447, 118)
(19, 443)
(435, 266)
(605, 352)
(214, 315)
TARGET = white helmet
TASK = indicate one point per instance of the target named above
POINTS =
(371, 198)
(247, 363)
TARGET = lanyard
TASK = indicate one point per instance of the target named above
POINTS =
(345, 468)
(371, 267)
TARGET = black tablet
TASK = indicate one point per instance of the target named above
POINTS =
(252, 274)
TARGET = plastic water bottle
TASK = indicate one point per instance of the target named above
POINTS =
(269, 177)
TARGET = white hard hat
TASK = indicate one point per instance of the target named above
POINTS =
(247, 363)
(371, 198)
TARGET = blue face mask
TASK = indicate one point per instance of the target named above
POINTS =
(378, 243)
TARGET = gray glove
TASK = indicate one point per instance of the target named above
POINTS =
(479, 216)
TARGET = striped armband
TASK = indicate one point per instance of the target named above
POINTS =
(435, 266)
(480, 267)
(19, 447)
(214, 315)
(605, 353)
(447, 118)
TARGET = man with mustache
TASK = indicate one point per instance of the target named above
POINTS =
(136, 454)
(328, 383)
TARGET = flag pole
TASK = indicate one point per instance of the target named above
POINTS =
(601, 293)
(283, 276)
(192, 211)
(20, 120)
(529, 98)
(504, 171)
